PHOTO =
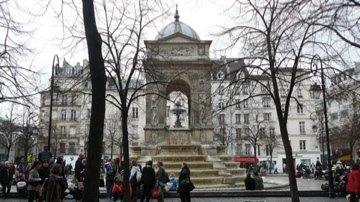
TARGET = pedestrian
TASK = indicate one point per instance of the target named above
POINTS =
(118, 171)
(54, 189)
(44, 173)
(249, 182)
(6, 178)
(79, 167)
(161, 180)
(135, 185)
(147, 181)
(184, 180)
(109, 177)
(353, 186)
(34, 181)
(259, 183)
(62, 179)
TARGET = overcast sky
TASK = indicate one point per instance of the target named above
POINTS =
(204, 17)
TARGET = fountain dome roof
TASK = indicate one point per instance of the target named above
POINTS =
(177, 27)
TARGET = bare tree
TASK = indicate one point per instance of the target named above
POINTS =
(278, 39)
(341, 18)
(16, 82)
(9, 131)
(271, 142)
(348, 134)
(113, 134)
(255, 132)
(29, 135)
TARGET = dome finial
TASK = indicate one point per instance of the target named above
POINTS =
(177, 14)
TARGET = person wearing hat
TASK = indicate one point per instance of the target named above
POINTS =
(6, 177)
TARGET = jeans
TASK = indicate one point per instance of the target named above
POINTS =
(109, 184)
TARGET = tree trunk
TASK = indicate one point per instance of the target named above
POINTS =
(126, 154)
(97, 71)
(294, 192)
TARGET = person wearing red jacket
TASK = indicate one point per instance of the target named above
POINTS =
(353, 186)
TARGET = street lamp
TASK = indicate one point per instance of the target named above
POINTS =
(317, 91)
(55, 59)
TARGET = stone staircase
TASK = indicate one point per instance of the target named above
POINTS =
(209, 166)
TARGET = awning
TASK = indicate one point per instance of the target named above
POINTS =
(245, 159)
(345, 158)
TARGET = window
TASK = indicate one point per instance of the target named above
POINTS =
(221, 118)
(135, 112)
(267, 116)
(344, 114)
(300, 109)
(72, 130)
(62, 130)
(247, 149)
(71, 149)
(262, 132)
(64, 100)
(237, 104)
(63, 115)
(223, 132)
(237, 118)
(272, 132)
(221, 90)
(302, 144)
(302, 127)
(73, 115)
(246, 119)
(267, 149)
(247, 132)
(73, 100)
(245, 89)
(258, 150)
(334, 116)
(167, 111)
(299, 93)
(62, 148)
(266, 102)
(238, 133)
(135, 129)
(282, 92)
(221, 105)
(246, 104)
(220, 75)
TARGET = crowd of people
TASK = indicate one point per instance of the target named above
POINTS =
(37, 181)
(145, 182)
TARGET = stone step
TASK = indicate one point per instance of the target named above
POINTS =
(207, 181)
(192, 165)
(179, 158)
(231, 164)
(226, 158)
(237, 171)
(196, 172)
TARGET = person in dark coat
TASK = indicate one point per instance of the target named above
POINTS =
(79, 167)
(259, 183)
(183, 177)
(6, 177)
(147, 181)
(54, 192)
(249, 182)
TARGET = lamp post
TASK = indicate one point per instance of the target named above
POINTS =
(55, 59)
(317, 91)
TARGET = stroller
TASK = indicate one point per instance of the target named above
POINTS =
(21, 188)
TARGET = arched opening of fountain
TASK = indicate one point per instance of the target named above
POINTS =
(178, 105)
